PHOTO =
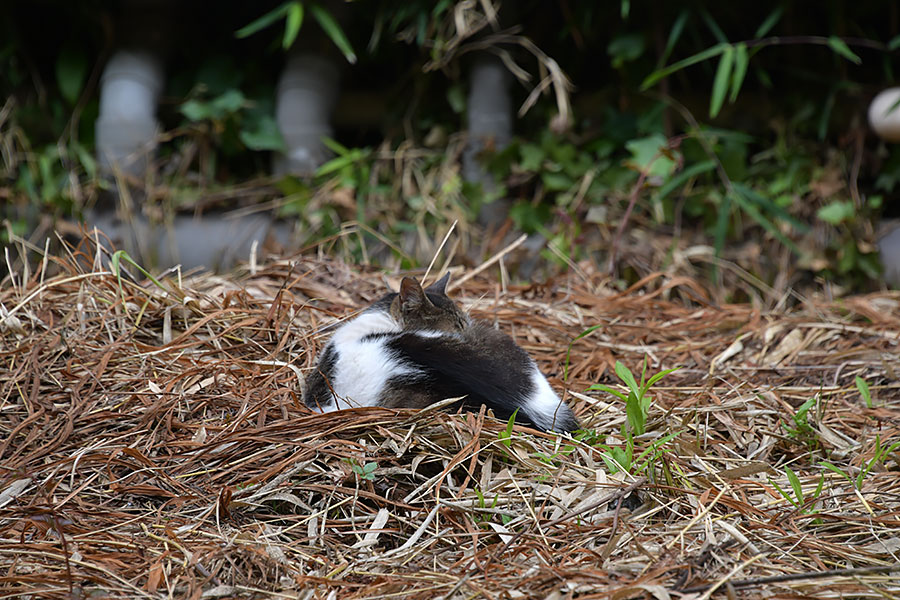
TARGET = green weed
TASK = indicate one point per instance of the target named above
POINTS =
(364, 471)
(863, 386)
(881, 452)
(801, 430)
(637, 405)
(804, 504)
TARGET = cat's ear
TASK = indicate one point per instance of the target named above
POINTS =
(412, 296)
(440, 286)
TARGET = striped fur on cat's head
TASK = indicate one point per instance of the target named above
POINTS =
(415, 308)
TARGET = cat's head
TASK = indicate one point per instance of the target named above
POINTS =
(415, 308)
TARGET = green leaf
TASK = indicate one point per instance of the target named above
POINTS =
(650, 156)
(841, 47)
(741, 62)
(675, 34)
(532, 157)
(720, 231)
(635, 414)
(721, 82)
(831, 467)
(837, 212)
(605, 388)
(338, 163)
(825, 117)
(770, 22)
(333, 31)
(770, 207)
(654, 450)
(335, 146)
(681, 64)
(795, 483)
(264, 21)
(625, 375)
(625, 48)
(894, 43)
(653, 379)
(557, 182)
(456, 98)
(227, 103)
(713, 27)
(195, 110)
(71, 69)
(263, 135)
(863, 386)
(584, 333)
(784, 494)
(292, 25)
(678, 180)
(505, 435)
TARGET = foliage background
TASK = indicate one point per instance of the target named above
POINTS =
(767, 164)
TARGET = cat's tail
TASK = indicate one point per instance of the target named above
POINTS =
(545, 409)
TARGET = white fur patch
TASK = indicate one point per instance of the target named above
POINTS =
(433, 333)
(369, 322)
(363, 367)
(544, 407)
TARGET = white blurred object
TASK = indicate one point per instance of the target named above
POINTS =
(304, 100)
(490, 126)
(889, 248)
(884, 121)
(488, 112)
(126, 127)
(213, 241)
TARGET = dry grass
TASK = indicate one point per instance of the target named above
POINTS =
(152, 444)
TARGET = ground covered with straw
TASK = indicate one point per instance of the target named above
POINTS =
(153, 444)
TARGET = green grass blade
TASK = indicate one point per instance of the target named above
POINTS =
(264, 21)
(863, 386)
(625, 375)
(692, 171)
(771, 207)
(675, 34)
(840, 47)
(753, 212)
(767, 25)
(605, 388)
(720, 231)
(584, 333)
(741, 63)
(333, 31)
(835, 469)
(722, 81)
(784, 494)
(795, 483)
(659, 376)
(293, 24)
(684, 63)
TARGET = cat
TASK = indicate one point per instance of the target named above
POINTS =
(415, 347)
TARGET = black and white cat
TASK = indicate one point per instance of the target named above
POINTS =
(416, 347)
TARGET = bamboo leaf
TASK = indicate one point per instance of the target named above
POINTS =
(681, 64)
(264, 21)
(675, 34)
(333, 31)
(722, 80)
(770, 22)
(795, 483)
(741, 62)
(841, 47)
(292, 25)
